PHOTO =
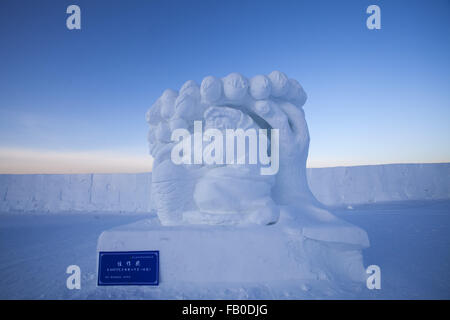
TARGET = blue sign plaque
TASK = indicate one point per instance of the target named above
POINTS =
(130, 268)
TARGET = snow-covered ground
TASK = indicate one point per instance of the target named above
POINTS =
(410, 241)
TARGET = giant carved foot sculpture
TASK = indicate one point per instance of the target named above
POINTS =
(239, 194)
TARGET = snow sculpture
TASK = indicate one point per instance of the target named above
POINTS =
(198, 192)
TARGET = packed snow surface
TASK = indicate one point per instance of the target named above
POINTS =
(409, 241)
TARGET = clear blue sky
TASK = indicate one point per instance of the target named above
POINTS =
(75, 100)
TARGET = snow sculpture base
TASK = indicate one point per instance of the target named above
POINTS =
(229, 254)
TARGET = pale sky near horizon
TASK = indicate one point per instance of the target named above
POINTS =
(74, 101)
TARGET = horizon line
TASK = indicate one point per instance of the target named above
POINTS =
(144, 172)
(32, 161)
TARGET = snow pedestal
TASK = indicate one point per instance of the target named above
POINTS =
(229, 254)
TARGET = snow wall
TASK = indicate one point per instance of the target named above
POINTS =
(75, 192)
(339, 186)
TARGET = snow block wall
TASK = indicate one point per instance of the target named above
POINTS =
(76, 192)
(380, 183)
(338, 186)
